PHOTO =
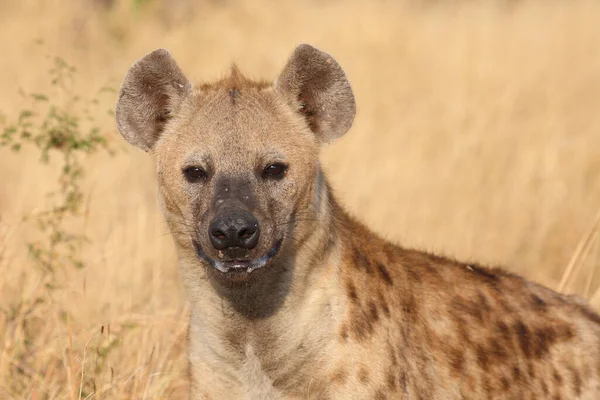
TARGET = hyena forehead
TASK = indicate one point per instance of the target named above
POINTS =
(240, 123)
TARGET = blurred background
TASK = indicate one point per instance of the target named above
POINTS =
(477, 137)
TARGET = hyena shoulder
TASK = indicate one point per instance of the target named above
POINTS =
(430, 319)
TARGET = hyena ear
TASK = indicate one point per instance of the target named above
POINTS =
(150, 94)
(316, 86)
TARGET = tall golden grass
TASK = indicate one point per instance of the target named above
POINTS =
(477, 136)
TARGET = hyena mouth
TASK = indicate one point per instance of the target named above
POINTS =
(238, 266)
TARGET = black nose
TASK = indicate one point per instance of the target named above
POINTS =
(237, 229)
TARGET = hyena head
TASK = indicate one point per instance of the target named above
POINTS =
(237, 160)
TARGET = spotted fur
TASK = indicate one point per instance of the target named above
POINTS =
(338, 313)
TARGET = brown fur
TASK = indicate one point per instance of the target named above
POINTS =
(338, 313)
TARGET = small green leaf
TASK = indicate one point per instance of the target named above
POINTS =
(39, 97)
(107, 89)
(25, 114)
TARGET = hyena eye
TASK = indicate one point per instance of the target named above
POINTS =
(194, 174)
(274, 171)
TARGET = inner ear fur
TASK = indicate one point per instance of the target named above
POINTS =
(152, 91)
(317, 87)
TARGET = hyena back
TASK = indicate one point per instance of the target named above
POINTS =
(293, 298)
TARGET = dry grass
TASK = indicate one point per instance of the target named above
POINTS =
(476, 136)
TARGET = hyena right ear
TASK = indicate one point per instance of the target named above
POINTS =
(151, 93)
(315, 85)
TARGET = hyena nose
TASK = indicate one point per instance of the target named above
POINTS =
(239, 229)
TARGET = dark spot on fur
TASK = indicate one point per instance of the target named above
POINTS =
(576, 379)
(383, 304)
(385, 274)
(402, 381)
(538, 304)
(483, 302)
(461, 327)
(531, 369)
(373, 313)
(482, 358)
(433, 272)
(339, 376)
(409, 306)
(391, 380)
(516, 374)
(544, 338)
(544, 387)
(557, 377)
(504, 304)
(463, 306)
(163, 117)
(380, 395)
(363, 375)
(497, 352)
(503, 332)
(412, 275)
(485, 383)
(393, 358)
(361, 327)
(233, 337)
(360, 261)
(457, 360)
(505, 384)
(290, 376)
(523, 336)
(323, 250)
(352, 292)
(344, 332)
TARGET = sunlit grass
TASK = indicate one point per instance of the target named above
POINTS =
(476, 137)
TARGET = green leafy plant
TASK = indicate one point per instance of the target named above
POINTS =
(69, 133)
(65, 130)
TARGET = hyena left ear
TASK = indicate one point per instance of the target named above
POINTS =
(152, 91)
(315, 85)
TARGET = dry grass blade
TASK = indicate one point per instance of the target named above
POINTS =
(595, 299)
(583, 248)
(592, 272)
(85, 351)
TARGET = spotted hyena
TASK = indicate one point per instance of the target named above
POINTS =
(290, 296)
